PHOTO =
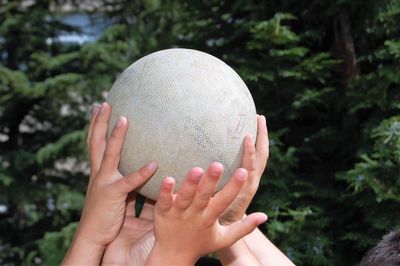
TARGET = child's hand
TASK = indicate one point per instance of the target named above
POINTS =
(104, 209)
(186, 223)
(254, 160)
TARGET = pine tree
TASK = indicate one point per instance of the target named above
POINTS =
(325, 74)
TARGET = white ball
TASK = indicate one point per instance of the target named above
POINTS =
(185, 108)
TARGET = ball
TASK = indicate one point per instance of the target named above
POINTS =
(185, 108)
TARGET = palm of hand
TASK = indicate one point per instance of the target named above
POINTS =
(132, 245)
(135, 239)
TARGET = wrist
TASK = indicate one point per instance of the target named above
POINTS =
(165, 256)
(83, 251)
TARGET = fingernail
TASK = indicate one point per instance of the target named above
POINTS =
(216, 169)
(198, 172)
(262, 219)
(151, 166)
(264, 121)
(95, 111)
(250, 139)
(120, 121)
(241, 174)
(169, 181)
(103, 107)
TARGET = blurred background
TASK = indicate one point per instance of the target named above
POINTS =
(326, 73)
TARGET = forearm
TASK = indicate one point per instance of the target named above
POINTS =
(238, 254)
(265, 251)
(83, 252)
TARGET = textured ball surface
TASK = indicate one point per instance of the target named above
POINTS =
(185, 108)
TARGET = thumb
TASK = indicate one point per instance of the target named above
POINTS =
(244, 227)
(136, 179)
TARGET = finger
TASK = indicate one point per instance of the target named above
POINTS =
(148, 210)
(136, 179)
(93, 157)
(95, 112)
(98, 137)
(165, 197)
(130, 209)
(244, 227)
(112, 152)
(206, 188)
(262, 144)
(187, 190)
(249, 155)
(224, 198)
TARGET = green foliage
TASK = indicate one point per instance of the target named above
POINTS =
(332, 185)
(72, 141)
(53, 246)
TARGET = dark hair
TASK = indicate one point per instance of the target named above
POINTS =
(386, 252)
(207, 261)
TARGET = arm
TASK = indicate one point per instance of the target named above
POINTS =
(83, 252)
(238, 254)
(105, 201)
(266, 252)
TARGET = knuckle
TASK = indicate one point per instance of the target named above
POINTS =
(183, 203)
(252, 149)
(109, 155)
(96, 141)
(225, 202)
(204, 195)
(128, 182)
(251, 167)
(143, 173)
(251, 190)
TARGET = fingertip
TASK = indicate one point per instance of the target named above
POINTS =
(258, 218)
(195, 174)
(167, 187)
(216, 165)
(104, 107)
(241, 174)
(168, 182)
(122, 121)
(148, 170)
(262, 218)
(165, 197)
(95, 111)
(151, 166)
(249, 139)
(263, 122)
(215, 169)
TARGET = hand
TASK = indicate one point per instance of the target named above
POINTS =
(104, 207)
(254, 160)
(255, 248)
(135, 240)
(186, 223)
